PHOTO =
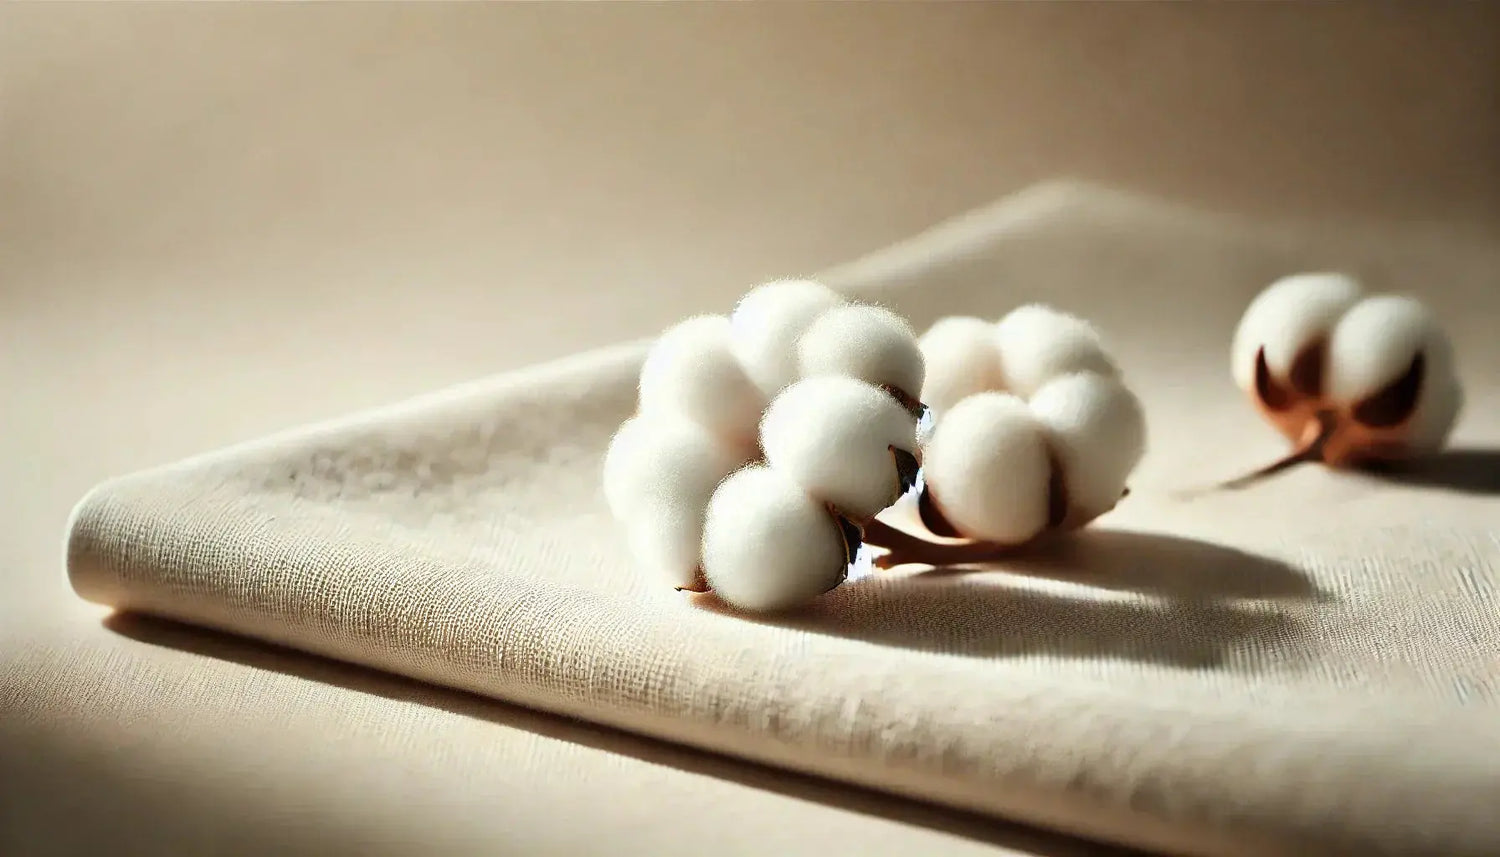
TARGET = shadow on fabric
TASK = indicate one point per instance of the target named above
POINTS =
(1466, 471)
(1137, 596)
(160, 632)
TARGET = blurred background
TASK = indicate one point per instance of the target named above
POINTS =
(219, 220)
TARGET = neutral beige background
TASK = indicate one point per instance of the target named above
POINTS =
(217, 221)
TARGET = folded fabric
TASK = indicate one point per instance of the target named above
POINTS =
(1310, 665)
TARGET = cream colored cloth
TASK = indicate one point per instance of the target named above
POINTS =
(1307, 666)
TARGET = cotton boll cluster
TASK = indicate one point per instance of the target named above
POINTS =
(822, 388)
(1030, 346)
(1348, 376)
(1034, 427)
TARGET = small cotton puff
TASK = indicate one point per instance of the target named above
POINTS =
(1096, 428)
(1374, 344)
(865, 342)
(1285, 318)
(767, 545)
(690, 370)
(627, 464)
(659, 472)
(1037, 343)
(961, 360)
(833, 436)
(987, 467)
(767, 323)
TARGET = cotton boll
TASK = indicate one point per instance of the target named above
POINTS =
(1037, 343)
(767, 545)
(1097, 429)
(628, 465)
(868, 343)
(961, 360)
(1391, 365)
(665, 541)
(767, 323)
(833, 436)
(663, 458)
(690, 370)
(987, 467)
(1374, 343)
(659, 473)
(1285, 318)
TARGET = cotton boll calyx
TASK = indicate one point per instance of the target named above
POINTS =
(767, 545)
(1288, 322)
(659, 472)
(1096, 430)
(768, 322)
(845, 442)
(867, 343)
(961, 359)
(691, 370)
(1037, 343)
(987, 471)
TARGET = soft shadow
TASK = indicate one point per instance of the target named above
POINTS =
(1161, 564)
(160, 632)
(1467, 471)
(1199, 613)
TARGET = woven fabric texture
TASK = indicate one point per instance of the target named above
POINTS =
(1310, 665)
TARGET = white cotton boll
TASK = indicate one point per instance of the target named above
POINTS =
(767, 545)
(833, 436)
(666, 541)
(664, 459)
(1284, 318)
(1373, 344)
(767, 323)
(988, 468)
(1373, 347)
(1097, 429)
(690, 370)
(659, 473)
(627, 465)
(868, 343)
(1037, 343)
(961, 360)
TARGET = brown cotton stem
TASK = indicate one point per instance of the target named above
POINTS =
(903, 548)
(1312, 449)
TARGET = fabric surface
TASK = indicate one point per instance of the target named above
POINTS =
(1306, 666)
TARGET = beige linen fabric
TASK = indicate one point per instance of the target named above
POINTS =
(1308, 666)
